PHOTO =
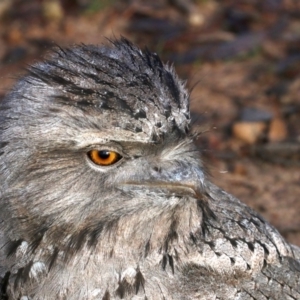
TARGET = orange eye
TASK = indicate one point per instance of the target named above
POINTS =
(104, 157)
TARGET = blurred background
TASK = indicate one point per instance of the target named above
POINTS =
(241, 60)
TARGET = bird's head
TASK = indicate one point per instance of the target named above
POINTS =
(92, 140)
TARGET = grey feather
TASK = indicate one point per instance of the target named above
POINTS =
(148, 226)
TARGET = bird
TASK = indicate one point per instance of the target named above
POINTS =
(104, 194)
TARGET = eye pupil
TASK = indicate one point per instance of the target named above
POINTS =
(104, 154)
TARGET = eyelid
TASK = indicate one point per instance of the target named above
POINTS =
(109, 146)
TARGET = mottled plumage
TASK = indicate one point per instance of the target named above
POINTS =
(147, 225)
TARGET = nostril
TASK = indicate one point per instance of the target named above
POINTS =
(157, 169)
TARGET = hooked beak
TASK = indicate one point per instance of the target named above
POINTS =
(184, 187)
